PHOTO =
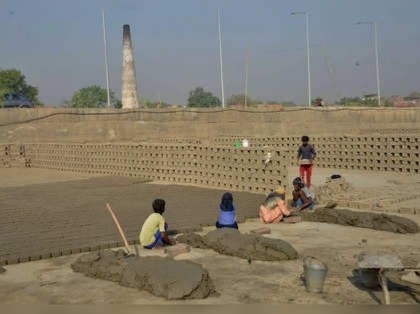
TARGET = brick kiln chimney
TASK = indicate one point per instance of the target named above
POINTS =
(129, 97)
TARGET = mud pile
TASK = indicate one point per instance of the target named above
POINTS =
(231, 242)
(333, 187)
(368, 220)
(163, 277)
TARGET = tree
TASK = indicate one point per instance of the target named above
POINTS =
(92, 97)
(239, 100)
(200, 98)
(13, 81)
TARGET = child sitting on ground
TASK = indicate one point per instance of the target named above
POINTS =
(226, 213)
(274, 207)
(153, 232)
(302, 197)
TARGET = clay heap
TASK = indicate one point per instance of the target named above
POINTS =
(163, 277)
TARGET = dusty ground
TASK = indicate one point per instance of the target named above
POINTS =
(53, 281)
(237, 281)
(375, 191)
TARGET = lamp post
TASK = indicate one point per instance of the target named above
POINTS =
(108, 95)
(308, 55)
(221, 60)
(378, 80)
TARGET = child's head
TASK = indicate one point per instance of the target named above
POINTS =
(279, 193)
(271, 202)
(227, 202)
(305, 140)
(298, 183)
(158, 206)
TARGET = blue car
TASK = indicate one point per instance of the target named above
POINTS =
(16, 101)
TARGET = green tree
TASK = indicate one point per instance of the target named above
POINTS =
(200, 98)
(92, 97)
(13, 81)
(239, 99)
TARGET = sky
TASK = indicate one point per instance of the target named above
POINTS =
(58, 45)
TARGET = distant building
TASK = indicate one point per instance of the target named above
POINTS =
(370, 97)
(402, 102)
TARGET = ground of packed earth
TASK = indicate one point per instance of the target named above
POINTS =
(42, 195)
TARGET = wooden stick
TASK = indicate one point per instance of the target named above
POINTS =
(119, 228)
(384, 284)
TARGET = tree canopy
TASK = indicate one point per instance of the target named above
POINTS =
(200, 98)
(92, 97)
(239, 99)
(13, 81)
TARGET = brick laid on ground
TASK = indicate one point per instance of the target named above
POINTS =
(72, 215)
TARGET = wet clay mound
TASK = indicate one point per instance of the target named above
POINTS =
(345, 217)
(232, 242)
(163, 277)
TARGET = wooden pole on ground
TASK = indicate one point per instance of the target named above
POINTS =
(119, 228)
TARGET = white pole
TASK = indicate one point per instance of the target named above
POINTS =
(108, 95)
(246, 80)
(378, 82)
(309, 60)
(221, 60)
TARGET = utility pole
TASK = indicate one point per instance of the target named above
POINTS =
(378, 79)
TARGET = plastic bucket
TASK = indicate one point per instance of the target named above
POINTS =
(315, 273)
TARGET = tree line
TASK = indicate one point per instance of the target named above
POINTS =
(14, 82)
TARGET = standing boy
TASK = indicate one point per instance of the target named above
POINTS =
(153, 232)
(306, 156)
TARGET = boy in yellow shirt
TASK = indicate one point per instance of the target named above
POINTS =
(153, 232)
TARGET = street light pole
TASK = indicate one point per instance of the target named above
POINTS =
(308, 54)
(108, 95)
(246, 80)
(378, 79)
(221, 60)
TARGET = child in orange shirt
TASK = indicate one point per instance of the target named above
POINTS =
(274, 207)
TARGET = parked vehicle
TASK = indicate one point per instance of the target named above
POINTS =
(16, 101)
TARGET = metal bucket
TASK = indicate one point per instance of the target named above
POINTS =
(315, 273)
(369, 277)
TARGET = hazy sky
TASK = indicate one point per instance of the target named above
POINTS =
(58, 45)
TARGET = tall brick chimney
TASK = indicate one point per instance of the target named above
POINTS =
(129, 97)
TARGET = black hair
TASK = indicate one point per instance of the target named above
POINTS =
(298, 181)
(305, 138)
(227, 202)
(158, 206)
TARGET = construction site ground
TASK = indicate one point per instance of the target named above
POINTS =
(52, 281)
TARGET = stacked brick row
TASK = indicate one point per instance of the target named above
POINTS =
(13, 156)
(395, 153)
(5, 155)
(217, 167)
